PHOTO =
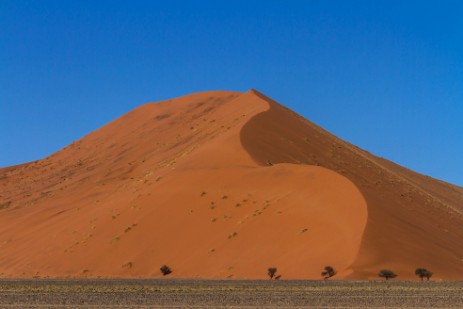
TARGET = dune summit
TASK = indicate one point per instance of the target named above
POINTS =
(223, 185)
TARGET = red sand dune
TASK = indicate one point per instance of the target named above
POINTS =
(223, 185)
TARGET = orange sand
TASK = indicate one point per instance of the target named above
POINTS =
(223, 184)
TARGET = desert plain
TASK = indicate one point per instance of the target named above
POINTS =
(197, 293)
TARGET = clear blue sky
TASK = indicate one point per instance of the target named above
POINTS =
(384, 75)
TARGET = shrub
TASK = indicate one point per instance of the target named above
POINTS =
(388, 274)
(328, 272)
(423, 273)
(165, 270)
(271, 272)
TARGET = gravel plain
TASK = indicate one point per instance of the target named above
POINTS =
(177, 293)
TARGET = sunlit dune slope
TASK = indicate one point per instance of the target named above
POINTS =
(172, 183)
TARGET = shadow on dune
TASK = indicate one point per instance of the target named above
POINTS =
(412, 219)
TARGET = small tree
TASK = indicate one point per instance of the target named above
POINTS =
(271, 272)
(388, 274)
(328, 272)
(165, 270)
(423, 273)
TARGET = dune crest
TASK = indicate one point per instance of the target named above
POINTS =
(221, 185)
(413, 220)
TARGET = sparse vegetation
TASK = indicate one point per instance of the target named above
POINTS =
(328, 272)
(423, 273)
(5, 205)
(386, 273)
(271, 272)
(128, 229)
(234, 234)
(114, 240)
(165, 270)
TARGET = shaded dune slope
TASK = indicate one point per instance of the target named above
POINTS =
(413, 220)
(170, 183)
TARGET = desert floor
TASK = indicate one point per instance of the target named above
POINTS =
(195, 293)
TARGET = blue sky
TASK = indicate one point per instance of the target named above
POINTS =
(384, 75)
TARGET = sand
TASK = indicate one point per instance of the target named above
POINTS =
(223, 185)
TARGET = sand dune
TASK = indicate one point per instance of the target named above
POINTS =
(223, 185)
(413, 220)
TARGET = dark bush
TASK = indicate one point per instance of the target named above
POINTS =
(388, 274)
(271, 272)
(328, 272)
(423, 273)
(165, 270)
